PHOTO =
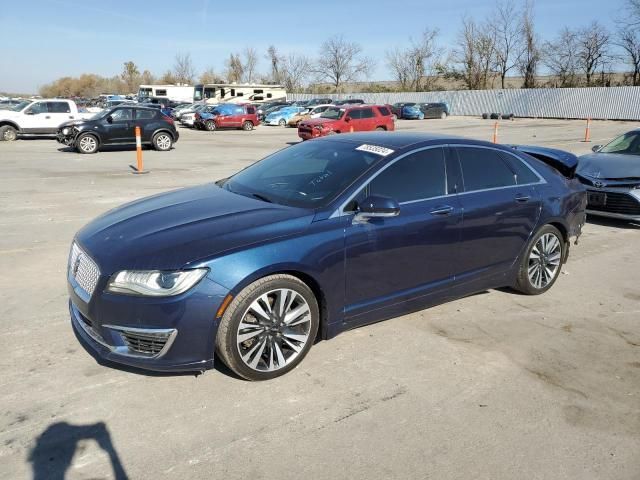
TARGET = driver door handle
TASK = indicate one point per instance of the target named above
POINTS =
(442, 210)
(47, 117)
(522, 198)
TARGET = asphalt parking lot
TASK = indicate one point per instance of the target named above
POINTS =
(493, 386)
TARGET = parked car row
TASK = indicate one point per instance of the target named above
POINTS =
(419, 111)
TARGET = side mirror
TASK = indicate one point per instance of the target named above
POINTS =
(347, 119)
(375, 206)
(109, 119)
(29, 112)
(596, 148)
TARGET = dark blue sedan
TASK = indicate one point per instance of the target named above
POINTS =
(316, 239)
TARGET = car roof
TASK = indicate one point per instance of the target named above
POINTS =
(399, 141)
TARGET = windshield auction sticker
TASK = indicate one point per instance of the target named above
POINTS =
(382, 151)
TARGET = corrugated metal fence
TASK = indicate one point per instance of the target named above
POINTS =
(614, 103)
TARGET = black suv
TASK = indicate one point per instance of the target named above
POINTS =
(117, 126)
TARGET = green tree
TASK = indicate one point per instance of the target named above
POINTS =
(130, 76)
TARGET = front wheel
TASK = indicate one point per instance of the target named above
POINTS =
(282, 122)
(247, 126)
(87, 143)
(540, 265)
(268, 328)
(210, 125)
(162, 141)
(443, 115)
(8, 133)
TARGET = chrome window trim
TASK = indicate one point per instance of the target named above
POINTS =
(339, 212)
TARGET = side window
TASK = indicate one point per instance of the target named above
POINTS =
(367, 113)
(161, 93)
(524, 174)
(355, 114)
(145, 114)
(58, 107)
(484, 168)
(40, 107)
(251, 110)
(418, 176)
(122, 115)
(384, 111)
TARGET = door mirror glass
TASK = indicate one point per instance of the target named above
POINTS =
(376, 206)
(347, 119)
(29, 112)
(596, 148)
(109, 119)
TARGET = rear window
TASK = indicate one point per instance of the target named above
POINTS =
(145, 114)
(367, 113)
(384, 111)
(524, 174)
(484, 168)
(59, 107)
(251, 110)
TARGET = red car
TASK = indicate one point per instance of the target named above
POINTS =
(346, 119)
(228, 116)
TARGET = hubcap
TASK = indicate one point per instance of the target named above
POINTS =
(87, 144)
(163, 142)
(274, 330)
(544, 260)
(10, 135)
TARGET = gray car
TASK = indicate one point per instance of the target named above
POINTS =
(611, 175)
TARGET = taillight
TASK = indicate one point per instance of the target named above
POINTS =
(166, 118)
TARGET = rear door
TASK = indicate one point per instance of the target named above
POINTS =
(60, 112)
(500, 210)
(145, 120)
(367, 119)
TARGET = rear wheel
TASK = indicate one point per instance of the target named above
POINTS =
(247, 126)
(8, 133)
(210, 125)
(443, 115)
(541, 264)
(282, 122)
(381, 129)
(162, 141)
(268, 328)
(87, 143)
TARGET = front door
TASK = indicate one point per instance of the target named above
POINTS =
(120, 127)
(389, 259)
(37, 119)
(500, 210)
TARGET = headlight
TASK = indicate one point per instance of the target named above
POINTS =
(66, 130)
(319, 127)
(155, 283)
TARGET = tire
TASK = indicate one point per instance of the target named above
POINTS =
(443, 116)
(495, 116)
(267, 351)
(247, 126)
(282, 122)
(381, 129)
(485, 116)
(210, 125)
(87, 143)
(537, 274)
(162, 141)
(8, 134)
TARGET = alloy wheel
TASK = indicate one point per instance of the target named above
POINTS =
(88, 144)
(544, 260)
(274, 330)
(163, 142)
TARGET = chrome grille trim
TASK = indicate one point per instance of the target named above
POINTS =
(146, 342)
(83, 269)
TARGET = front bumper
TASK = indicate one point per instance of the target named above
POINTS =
(170, 334)
(620, 203)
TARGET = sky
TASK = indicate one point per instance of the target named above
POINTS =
(47, 39)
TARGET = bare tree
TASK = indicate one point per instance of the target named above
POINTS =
(249, 64)
(295, 70)
(130, 76)
(506, 27)
(531, 55)
(183, 70)
(210, 76)
(341, 61)
(147, 78)
(629, 41)
(414, 67)
(593, 49)
(474, 54)
(632, 13)
(168, 78)
(235, 68)
(561, 57)
(275, 61)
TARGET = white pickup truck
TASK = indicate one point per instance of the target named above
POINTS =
(37, 117)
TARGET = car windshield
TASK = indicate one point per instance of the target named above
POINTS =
(333, 113)
(626, 144)
(20, 106)
(308, 175)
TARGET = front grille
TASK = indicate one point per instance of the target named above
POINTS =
(146, 342)
(615, 202)
(305, 129)
(83, 269)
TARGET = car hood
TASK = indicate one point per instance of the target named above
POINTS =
(172, 230)
(612, 166)
(73, 123)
